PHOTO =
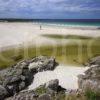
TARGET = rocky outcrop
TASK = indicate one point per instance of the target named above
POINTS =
(93, 61)
(19, 76)
(91, 79)
(42, 63)
(40, 93)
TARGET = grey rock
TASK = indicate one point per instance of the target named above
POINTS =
(19, 76)
(3, 92)
(44, 97)
(42, 63)
(91, 79)
(21, 86)
(54, 87)
(53, 84)
(26, 95)
(22, 64)
(94, 61)
(22, 77)
(46, 94)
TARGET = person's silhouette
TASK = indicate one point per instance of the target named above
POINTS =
(40, 27)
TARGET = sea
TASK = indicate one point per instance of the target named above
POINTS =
(79, 22)
(73, 22)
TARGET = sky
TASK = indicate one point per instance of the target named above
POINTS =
(51, 9)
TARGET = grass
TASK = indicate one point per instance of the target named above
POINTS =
(75, 96)
(91, 95)
(74, 53)
(55, 96)
(61, 95)
(55, 36)
(41, 90)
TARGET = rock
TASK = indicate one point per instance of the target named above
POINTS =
(13, 78)
(22, 64)
(21, 86)
(94, 61)
(91, 79)
(42, 63)
(21, 75)
(3, 93)
(53, 87)
(26, 95)
(53, 84)
(44, 97)
(40, 93)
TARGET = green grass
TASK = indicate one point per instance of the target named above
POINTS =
(55, 36)
(41, 90)
(69, 53)
(91, 95)
(55, 96)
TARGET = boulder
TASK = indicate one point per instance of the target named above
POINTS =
(91, 79)
(53, 87)
(53, 84)
(42, 63)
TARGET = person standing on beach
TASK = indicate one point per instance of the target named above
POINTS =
(40, 27)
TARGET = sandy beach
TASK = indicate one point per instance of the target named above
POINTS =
(66, 74)
(18, 34)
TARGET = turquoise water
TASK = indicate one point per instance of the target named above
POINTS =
(69, 22)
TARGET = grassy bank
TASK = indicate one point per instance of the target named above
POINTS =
(75, 52)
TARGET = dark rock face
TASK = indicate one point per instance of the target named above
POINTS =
(19, 76)
(3, 92)
(41, 93)
(53, 84)
(91, 79)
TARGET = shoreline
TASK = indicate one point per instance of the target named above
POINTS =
(67, 26)
(14, 34)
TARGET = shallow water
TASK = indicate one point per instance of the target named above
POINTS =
(67, 76)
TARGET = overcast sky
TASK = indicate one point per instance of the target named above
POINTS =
(50, 9)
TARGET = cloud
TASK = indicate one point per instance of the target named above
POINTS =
(18, 7)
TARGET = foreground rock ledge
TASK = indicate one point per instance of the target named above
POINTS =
(43, 92)
(18, 77)
(91, 80)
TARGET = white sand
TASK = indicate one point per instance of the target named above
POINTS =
(67, 76)
(29, 33)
